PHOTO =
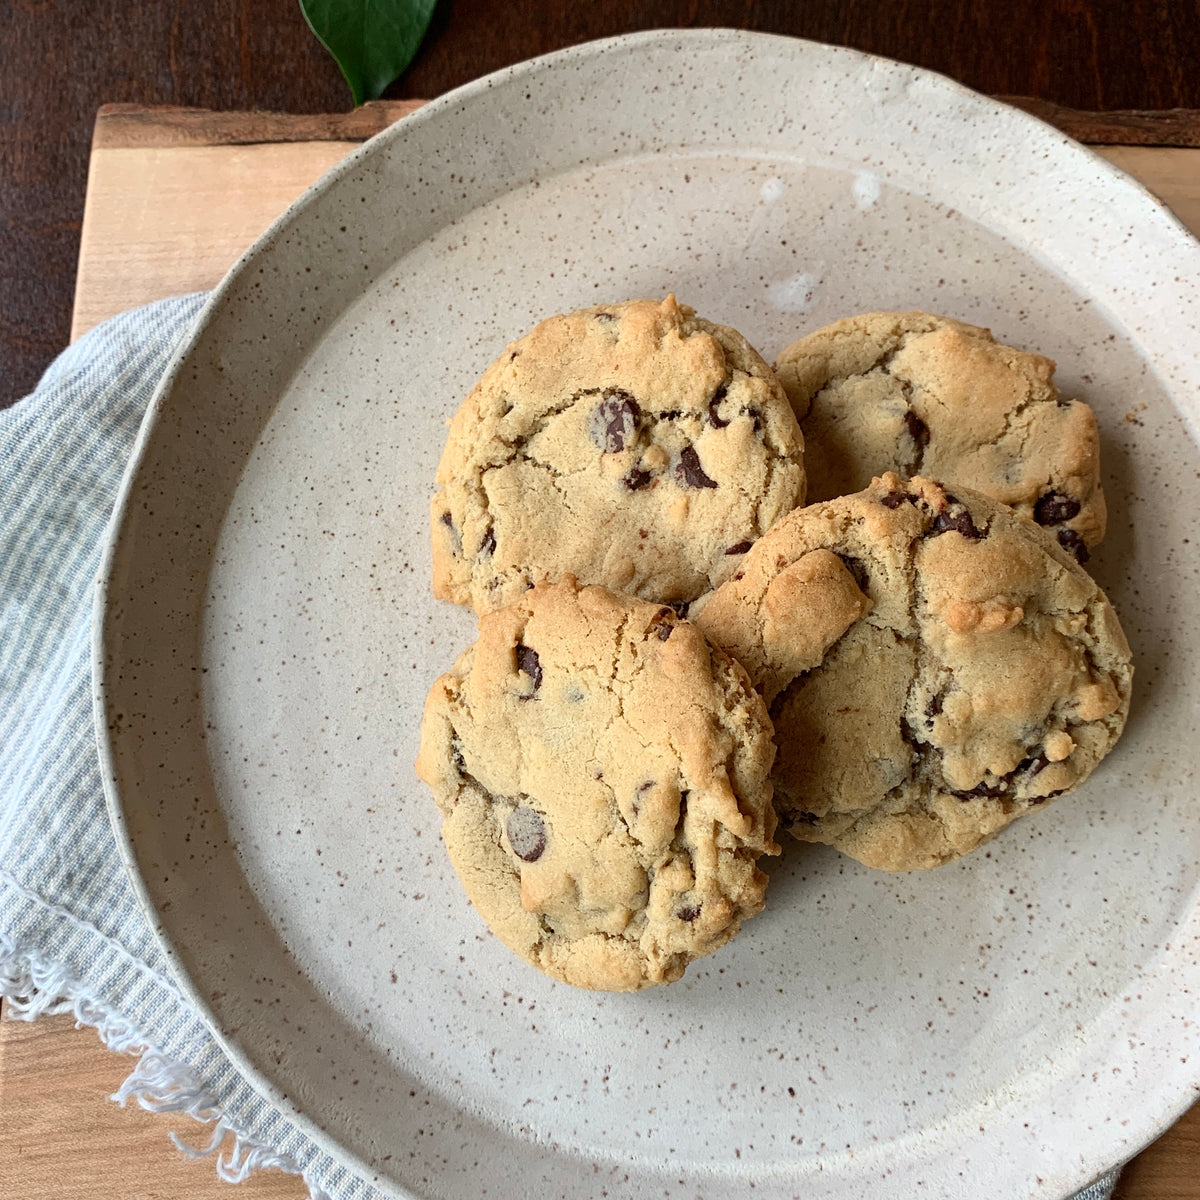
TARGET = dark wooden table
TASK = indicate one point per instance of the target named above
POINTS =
(61, 59)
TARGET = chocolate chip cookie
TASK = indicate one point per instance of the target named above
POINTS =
(920, 394)
(633, 445)
(935, 665)
(603, 776)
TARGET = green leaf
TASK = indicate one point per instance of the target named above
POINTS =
(371, 40)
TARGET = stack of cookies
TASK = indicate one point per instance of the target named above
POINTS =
(676, 656)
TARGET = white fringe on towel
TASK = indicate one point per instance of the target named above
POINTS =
(36, 988)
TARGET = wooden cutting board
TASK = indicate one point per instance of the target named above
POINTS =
(174, 196)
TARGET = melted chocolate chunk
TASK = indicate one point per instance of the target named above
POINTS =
(1069, 540)
(1054, 508)
(717, 421)
(614, 421)
(690, 472)
(894, 499)
(740, 548)
(689, 912)
(528, 661)
(526, 834)
(959, 522)
(637, 478)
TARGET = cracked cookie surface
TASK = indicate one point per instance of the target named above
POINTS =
(935, 666)
(926, 395)
(633, 445)
(603, 776)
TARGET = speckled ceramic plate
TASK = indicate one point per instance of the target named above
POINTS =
(1009, 1025)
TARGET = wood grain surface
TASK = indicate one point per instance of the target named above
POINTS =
(61, 59)
(61, 1138)
(174, 198)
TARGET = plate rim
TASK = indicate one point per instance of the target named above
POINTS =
(117, 530)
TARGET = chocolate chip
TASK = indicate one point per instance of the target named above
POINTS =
(740, 548)
(690, 472)
(637, 478)
(670, 414)
(614, 421)
(917, 429)
(717, 422)
(689, 912)
(1069, 540)
(455, 538)
(489, 542)
(894, 499)
(526, 834)
(527, 661)
(606, 318)
(1054, 508)
(959, 522)
(663, 624)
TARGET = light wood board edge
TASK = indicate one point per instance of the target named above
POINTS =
(137, 125)
(1118, 127)
(143, 126)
